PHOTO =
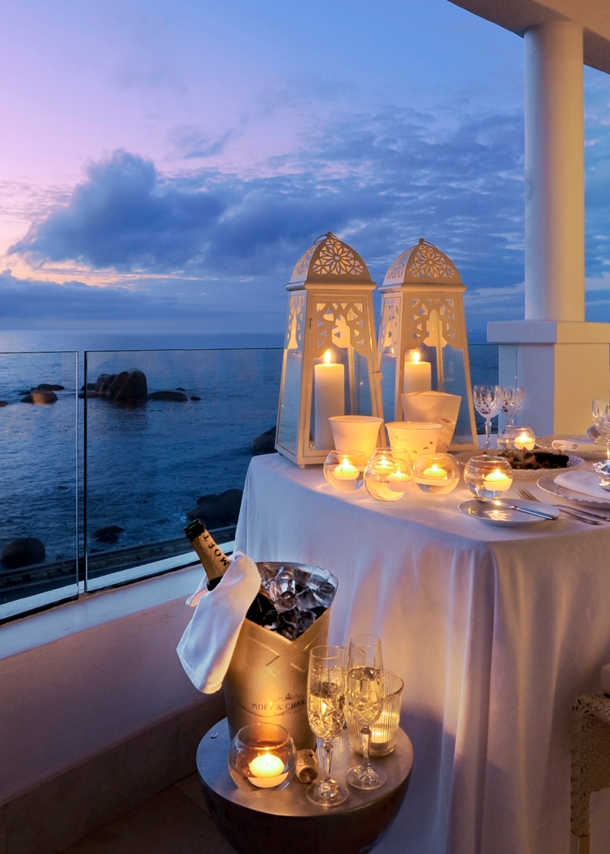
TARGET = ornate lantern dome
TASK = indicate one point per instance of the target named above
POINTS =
(422, 264)
(329, 261)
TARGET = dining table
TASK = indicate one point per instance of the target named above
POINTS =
(495, 631)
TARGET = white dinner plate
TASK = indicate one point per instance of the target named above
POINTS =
(587, 449)
(547, 483)
(574, 462)
(505, 518)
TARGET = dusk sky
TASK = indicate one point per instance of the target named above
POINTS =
(163, 165)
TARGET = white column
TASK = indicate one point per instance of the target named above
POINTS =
(554, 173)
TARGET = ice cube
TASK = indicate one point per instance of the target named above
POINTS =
(295, 623)
(283, 587)
(325, 593)
(306, 600)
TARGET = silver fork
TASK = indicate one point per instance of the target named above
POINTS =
(575, 512)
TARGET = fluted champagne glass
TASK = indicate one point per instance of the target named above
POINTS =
(325, 712)
(487, 401)
(600, 410)
(365, 700)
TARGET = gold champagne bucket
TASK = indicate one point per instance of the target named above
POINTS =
(267, 679)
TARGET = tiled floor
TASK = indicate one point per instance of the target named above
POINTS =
(173, 822)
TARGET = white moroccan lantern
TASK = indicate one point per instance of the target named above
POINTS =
(330, 354)
(422, 337)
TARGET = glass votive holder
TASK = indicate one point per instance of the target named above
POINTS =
(488, 476)
(387, 476)
(345, 471)
(436, 473)
(516, 439)
(262, 758)
(385, 728)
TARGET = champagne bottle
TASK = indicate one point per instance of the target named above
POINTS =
(215, 563)
(213, 559)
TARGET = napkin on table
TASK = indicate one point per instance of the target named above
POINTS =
(585, 482)
(207, 645)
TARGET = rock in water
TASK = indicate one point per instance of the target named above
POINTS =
(218, 510)
(109, 534)
(177, 396)
(128, 387)
(40, 397)
(23, 552)
(264, 444)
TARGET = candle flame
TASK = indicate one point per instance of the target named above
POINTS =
(415, 356)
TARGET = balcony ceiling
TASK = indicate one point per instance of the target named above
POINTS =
(520, 15)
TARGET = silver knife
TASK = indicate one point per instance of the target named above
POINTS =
(541, 514)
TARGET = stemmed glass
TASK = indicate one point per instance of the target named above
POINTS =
(487, 401)
(600, 410)
(365, 700)
(325, 701)
(512, 402)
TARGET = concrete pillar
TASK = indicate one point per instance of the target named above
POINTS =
(554, 173)
(561, 361)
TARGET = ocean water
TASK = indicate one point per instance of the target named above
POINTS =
(140, 469)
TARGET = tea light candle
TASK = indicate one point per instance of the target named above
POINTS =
(525, 441)
(417, 374)
(435, 472)
(329, 399)
(382, 465)
(267, 771)
(497, 481)
(398, 476)
(346, 471)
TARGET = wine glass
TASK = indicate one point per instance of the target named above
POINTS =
(600, 409)
(325, 700)
(487, 401)
(365, 700)
(512, 402)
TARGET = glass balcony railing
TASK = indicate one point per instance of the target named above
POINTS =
(168, 438)
(38, 480)
(99, 475)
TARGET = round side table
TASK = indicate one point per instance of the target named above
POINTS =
(276, 822)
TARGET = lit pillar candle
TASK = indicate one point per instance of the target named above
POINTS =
(417, 374)
(329, 399)
(267, 771)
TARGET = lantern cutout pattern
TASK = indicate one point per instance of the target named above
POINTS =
(422, 337)
(330, 354)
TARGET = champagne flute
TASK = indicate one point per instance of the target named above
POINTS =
(325, 700)
(365, 701)
(512, 402)
(487, 401)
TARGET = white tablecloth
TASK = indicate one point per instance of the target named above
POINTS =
(494, 630)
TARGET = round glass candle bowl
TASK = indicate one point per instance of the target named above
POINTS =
(516, 439)
(345, 471)
(383, 731)
(436, 473)
(488, 476)
(388, 477)
(262, 758)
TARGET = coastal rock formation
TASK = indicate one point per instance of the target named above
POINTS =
(264, 444)
(177, 396)
(48, 387)
(219, 510)
(24, 551)
(40, 398)
(109, 534)
(128, 387)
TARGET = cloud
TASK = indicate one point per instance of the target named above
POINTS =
(125, 217)
(380, 181)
